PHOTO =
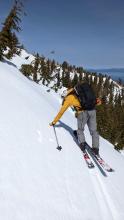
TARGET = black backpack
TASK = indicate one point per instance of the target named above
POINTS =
(86, 96)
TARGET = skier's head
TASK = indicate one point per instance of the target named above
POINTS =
(64, 93)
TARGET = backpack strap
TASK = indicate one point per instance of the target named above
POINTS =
(69, 92)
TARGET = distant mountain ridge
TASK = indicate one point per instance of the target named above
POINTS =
(114, 73)
(121, 70)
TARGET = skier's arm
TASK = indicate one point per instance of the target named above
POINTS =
(64, 107)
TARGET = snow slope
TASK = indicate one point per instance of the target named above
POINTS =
(37, 182)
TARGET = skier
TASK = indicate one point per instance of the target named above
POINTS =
(85, 115)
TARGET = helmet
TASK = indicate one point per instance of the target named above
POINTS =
(64, 93)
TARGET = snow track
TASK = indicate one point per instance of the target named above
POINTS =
(105, 203)
(93, 187)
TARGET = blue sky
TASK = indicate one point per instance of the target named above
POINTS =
(88, 33)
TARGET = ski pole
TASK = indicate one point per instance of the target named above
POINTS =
(58, 146)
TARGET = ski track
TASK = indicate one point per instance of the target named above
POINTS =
(77, 214)
(105, 203)
(69, 193)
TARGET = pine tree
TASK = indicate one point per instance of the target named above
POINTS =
(75, 80)
(26, 69)
(1, 54)
(43, 71)
(58, 80)
(65, 66)
(49, 71)
(8, 38)
(53, 65)
(80, 77)
(66, 80)
(36, 67)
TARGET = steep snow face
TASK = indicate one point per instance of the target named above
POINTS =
(25, 58)
(39, 182)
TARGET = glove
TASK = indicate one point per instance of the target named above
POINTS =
(52, 123)
(98, 101)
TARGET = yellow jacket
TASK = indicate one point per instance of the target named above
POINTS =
(70, 100)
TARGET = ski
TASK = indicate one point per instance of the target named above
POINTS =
(104, 165)
(85, 154)
(98, 158)
(88, 160)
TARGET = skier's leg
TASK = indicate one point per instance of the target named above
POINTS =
(92, 125)
(81, 122)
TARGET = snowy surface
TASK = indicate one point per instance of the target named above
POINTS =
(37, 182)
